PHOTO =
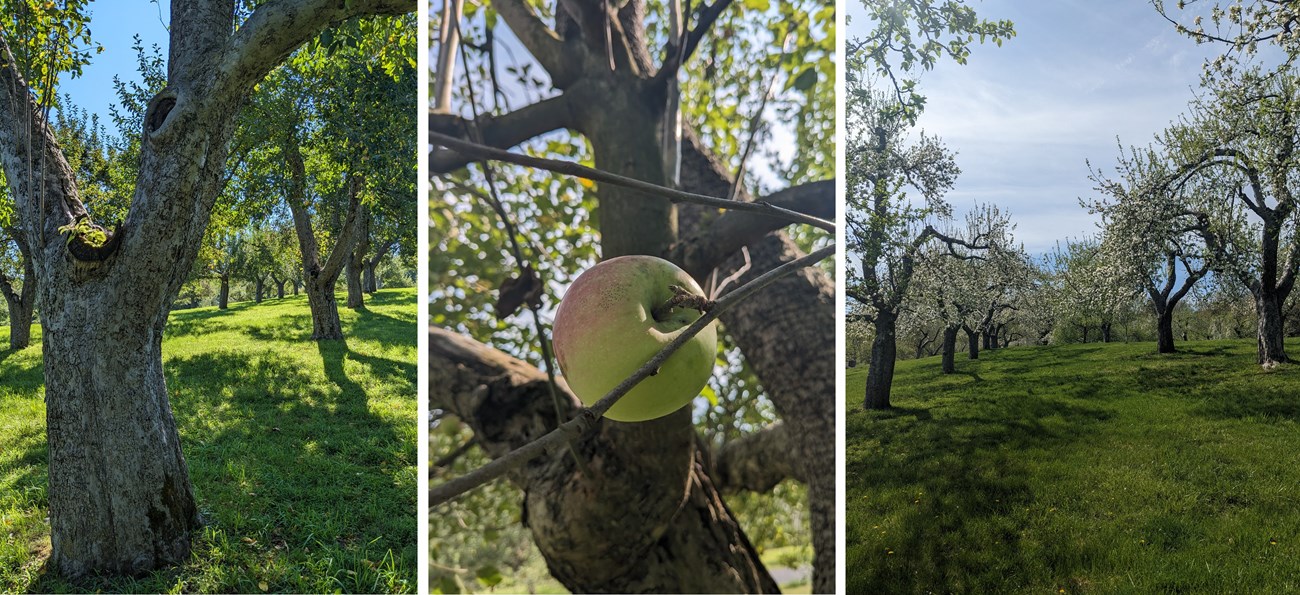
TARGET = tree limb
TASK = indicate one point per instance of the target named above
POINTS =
(503, 131)
(574, 169)
(756, 462)
(709, 246)
(276, 29)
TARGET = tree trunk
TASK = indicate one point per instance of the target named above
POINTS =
(279, 287)
(679, 537)
(972, 343)
(1165, 330)
(949, 349)
(325, 323)
(884, 351)
(1271, 346)
(318, 278)
(120, 498)
(21, 301)
(357, 262)
(296, 285)
(259, 285)
(223, 295)
(988, 339)
(369, 283)
(1105, 332)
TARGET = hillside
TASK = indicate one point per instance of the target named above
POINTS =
(302, 455)
(1078, 469)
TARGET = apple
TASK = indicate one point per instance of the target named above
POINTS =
(605, 330)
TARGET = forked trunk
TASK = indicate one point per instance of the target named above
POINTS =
(880, 376)
(1105, 332)
(119, 497)
(325, 324)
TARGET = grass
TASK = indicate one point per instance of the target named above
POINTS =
(302, 454)
(1078, 469)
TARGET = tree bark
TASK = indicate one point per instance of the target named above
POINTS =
(357, 262)
(1270, 342)
(635, 520)
(1105, 332)
(950, 349)
(972, 343)
(369, 282)
(1165, 330)
(884, 350)
(259, 285)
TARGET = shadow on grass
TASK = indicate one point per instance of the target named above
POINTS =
(927, 485)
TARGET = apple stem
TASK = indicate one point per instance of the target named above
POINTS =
(682, 298)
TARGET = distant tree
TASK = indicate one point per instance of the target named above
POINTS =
(1087, 291)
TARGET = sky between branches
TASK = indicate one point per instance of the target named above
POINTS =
(1023, 117)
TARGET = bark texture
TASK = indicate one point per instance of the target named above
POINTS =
(631, 520)
(120, 498)
(884, 352)
(357, 262)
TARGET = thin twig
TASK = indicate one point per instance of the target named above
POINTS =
(586, 418)
(480, 151)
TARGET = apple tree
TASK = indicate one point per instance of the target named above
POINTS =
(120, 498)
(627, 59)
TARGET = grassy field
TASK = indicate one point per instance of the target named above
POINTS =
(1078, 469)
(302, 454)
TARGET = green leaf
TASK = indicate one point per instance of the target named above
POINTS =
(759, 5)
(489, 576)
(806, 79)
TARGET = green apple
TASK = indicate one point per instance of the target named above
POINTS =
(605, 329)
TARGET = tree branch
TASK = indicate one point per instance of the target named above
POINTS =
(277, 28)
(544, 44)
(587, 417)
(756, 462)
(503, 131)
(710, 246)
(569, 168)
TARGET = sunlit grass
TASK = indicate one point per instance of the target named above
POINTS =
(302, 454)
(1078, 469)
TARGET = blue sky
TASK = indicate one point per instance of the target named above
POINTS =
(1024, 117)
(112, 25)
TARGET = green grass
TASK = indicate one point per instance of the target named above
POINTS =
(302, 454)
(1078, 469)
